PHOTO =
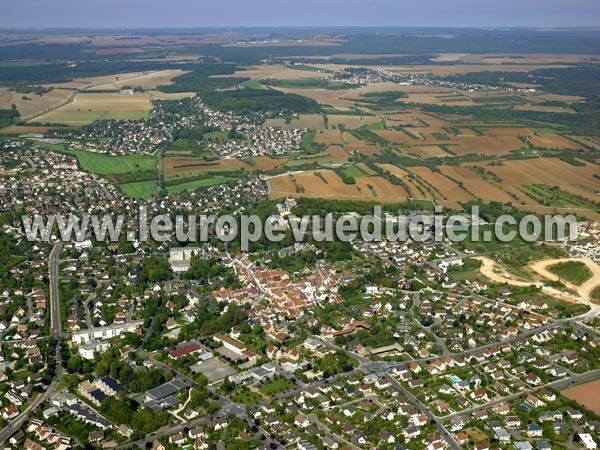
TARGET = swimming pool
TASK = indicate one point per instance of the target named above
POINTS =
(455, 379)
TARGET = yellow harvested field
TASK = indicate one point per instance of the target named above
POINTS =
(118, 50)
(282, 186)
(579, 180)
(548, 109)
(329, 137)
(88, 82)
(470, 68)
(324, 96)
(424, 151)
(496, 132)
(147, 81)
(350, 122)
(86, 108)
(397, 137)
(485, 145)
(554, 141)
(327, 184)
(383, 189)
(444, 186)
(409, 180)
(277, 72)
(309, 121)
(25, 129)
(30, 105)
(476, 185)
(266, 163)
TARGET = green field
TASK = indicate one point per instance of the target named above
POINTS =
(139, 189)
(109, 165)
(353, 172)
(574, 271)
(196, 184)
(254, 84)
(595, 297)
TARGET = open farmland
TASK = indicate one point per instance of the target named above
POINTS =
(443, 188)
(147, 81)
(327, 184)
(554, 141)
(86, 108)
(30, 105)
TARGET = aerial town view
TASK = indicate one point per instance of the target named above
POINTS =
(313, 225)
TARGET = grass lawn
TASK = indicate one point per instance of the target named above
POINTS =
(574, 271)
(276, 386)
(139, 189)
(595, 297)
(20, 374)
(196, 184)
(247, 397)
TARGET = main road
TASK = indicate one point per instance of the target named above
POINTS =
(56, 332)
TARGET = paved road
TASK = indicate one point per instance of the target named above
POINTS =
(56, 332)
(54, 302)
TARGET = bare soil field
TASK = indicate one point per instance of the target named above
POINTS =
(30, 105)
(587, 395)
(554, 141)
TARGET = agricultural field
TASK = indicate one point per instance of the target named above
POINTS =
(31, 104)
(86, 108)
(146, 80)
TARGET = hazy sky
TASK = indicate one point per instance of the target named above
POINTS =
(223, 13)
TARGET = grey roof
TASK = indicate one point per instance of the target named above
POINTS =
(167, 389)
